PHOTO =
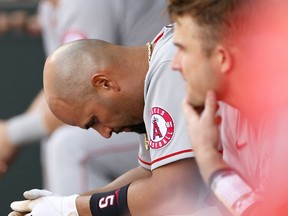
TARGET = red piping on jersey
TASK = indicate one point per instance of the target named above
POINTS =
(158, 38)
(165, 157)
(144, 162)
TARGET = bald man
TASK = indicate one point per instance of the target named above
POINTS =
(69, 152)
(114, 89)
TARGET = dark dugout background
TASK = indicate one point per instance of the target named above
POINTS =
(21, 63)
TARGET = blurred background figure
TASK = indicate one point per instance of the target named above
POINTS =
(4, 25)
(22, 58)
(75, 160)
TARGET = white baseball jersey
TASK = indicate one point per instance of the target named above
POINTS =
(258, 151)
(244, 145)
(125, 22)
(163, 116)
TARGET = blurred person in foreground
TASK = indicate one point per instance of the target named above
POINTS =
(236, 51)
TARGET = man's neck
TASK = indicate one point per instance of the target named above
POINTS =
(139, 59)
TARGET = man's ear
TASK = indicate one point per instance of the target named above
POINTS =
(224, 59)
(105, 82)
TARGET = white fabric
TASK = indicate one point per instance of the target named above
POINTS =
(47, 206)
(125, 22)
(36, 193)
(164, 92)
(245, 147)
(230, 189)
(86, 157)
(26, 128)
(258, 151)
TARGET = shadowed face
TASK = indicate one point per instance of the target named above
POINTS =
(195, 65)
(104, 108)
(104, 115)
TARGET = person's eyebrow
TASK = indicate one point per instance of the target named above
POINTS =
(178, 45)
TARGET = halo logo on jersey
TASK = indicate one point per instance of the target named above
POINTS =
(162, 128)
(72, 35)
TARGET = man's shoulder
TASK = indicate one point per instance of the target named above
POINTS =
(164, 48)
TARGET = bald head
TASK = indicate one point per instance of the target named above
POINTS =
(68, 70)
(82, 70)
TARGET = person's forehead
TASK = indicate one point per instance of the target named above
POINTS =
(179, 32)
(186, 26)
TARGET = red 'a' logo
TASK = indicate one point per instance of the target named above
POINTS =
(156, 130)
(161, 128)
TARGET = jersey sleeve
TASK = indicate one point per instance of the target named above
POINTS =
(143, 155)
(165, 121)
